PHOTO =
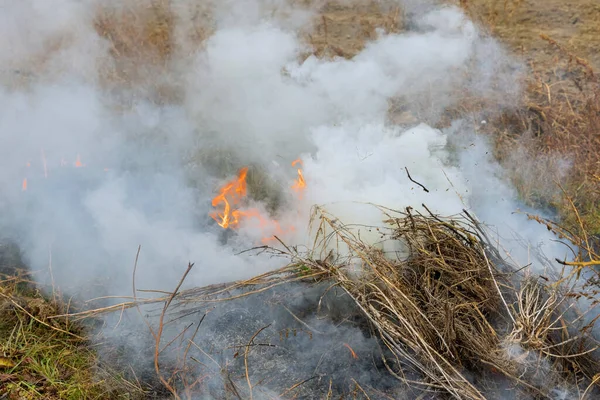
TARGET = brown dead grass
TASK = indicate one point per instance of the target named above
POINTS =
(141, 33)
(342, 30)
(520, 24)
(557, 127)
(143, 40)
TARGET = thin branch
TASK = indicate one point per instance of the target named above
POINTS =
(413, 181)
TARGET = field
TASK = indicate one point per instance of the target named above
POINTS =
(556, 124)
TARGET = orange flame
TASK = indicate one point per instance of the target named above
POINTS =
(299, 183)
(229, 216)
(63, 162)
(232, 193)
(24, 184)
(351, 351)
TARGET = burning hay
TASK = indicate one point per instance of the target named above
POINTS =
(453, 316)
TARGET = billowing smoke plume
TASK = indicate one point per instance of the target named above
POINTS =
(109, 165)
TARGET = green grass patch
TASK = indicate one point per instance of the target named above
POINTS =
(50, 358)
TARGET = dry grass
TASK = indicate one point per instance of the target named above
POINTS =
(520, 24)
(440, 308)
(557, 132)
(548, 144)
(144, 39)
(433, 308)
(445, 304)
(342, 30)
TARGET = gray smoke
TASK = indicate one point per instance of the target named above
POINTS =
(242, 98)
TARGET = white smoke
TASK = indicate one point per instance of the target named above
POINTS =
(243, 93)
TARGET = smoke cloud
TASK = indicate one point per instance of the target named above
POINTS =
(246, 96)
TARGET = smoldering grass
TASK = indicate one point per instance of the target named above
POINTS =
(535, 307)
(447, 307)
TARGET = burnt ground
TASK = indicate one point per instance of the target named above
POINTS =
(303, 341)
(319, 343)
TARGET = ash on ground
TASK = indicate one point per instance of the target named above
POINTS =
(311, 336)
(296, 340)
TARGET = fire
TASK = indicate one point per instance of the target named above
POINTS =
(45, 167)
(299, 183)
(24, 184)
(230, 194)
(229, 214)
(352, 353)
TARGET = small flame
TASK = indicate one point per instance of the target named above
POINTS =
(299, 183)
(232, 193)
(351, 351)
(229, 216)
(24, 184)
(63, 162)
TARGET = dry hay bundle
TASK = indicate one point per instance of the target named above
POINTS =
(433, 304)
